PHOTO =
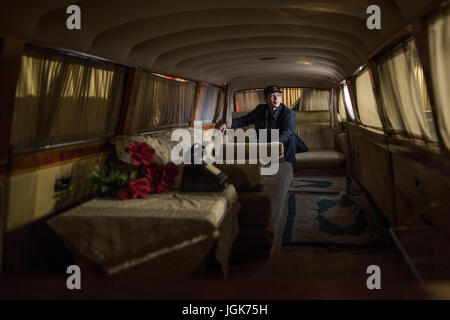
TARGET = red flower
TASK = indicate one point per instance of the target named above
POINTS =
(163, 186)
(171, 171)
(148, 174)
(124, 194)
(139, 188)
(155, 170)
(141, 153)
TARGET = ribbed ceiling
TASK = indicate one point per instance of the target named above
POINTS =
(314, 42)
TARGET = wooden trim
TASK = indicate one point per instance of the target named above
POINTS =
(128, 109)
(373, 72)
(372, 69)
(373, 134)
(10, 55)
(431, 158)
(33, 161)
(197, 96)
(162, 130)
(421, 39)
(208, 126)
(216, 113)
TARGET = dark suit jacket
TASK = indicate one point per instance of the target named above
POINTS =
(285, 122)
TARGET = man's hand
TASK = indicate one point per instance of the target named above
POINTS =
(222, 128)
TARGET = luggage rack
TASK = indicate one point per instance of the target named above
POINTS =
(424, 247)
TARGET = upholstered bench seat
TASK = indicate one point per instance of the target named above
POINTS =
(258, 208)
(263, 216)
(320, 159)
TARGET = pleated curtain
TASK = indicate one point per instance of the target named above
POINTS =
(62, 99)
(207, 103)
(342, 114)
(401, 90)
(439, 46)
(366, 102)
(313, 100)
(163, 103)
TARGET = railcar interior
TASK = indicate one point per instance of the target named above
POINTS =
(240, 149)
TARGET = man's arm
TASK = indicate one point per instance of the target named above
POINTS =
(287, 126)
(246, 120)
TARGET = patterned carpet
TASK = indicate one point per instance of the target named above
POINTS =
(326, 211)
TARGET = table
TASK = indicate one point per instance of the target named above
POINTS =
(174, 231)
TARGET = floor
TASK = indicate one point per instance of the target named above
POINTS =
(291, 273)
(328, 266)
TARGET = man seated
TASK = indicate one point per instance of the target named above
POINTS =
(274, 115)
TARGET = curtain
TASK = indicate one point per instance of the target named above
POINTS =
(163, 102)
(402, 95)
(246, 101)
(313, 100)
(348, 102)
(207, 103)
(220, 110)
(342, 115)
(367, 106)
(291, 96)
(439, 46)
(333, 109)
(62, 99)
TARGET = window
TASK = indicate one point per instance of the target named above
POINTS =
(302, 99)
(404, 95)
(207, 103)
(247, 100)
(439, 44)
(342, 114)
(348, 102)
(313, 100)
(62, 99)
(367, 106)
(163, 102)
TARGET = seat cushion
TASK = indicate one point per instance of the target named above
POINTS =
(314, 129)
(244, 177)
(320, 159)
(258, 208)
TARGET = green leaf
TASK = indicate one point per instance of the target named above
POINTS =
(104, 188)
(96, 174)
(133, 175)
(123, 177)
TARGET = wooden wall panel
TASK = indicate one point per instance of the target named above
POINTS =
(9, 65)
(10, 53)
(128, 110)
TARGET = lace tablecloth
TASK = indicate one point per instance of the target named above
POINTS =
(118, 235)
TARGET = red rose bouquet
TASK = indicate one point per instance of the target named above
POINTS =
(143, 177)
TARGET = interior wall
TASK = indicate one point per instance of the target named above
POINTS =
(401, 187)
(32, 195)
(371, 166)
(420, 189)
(29, 244)
(376, 175)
